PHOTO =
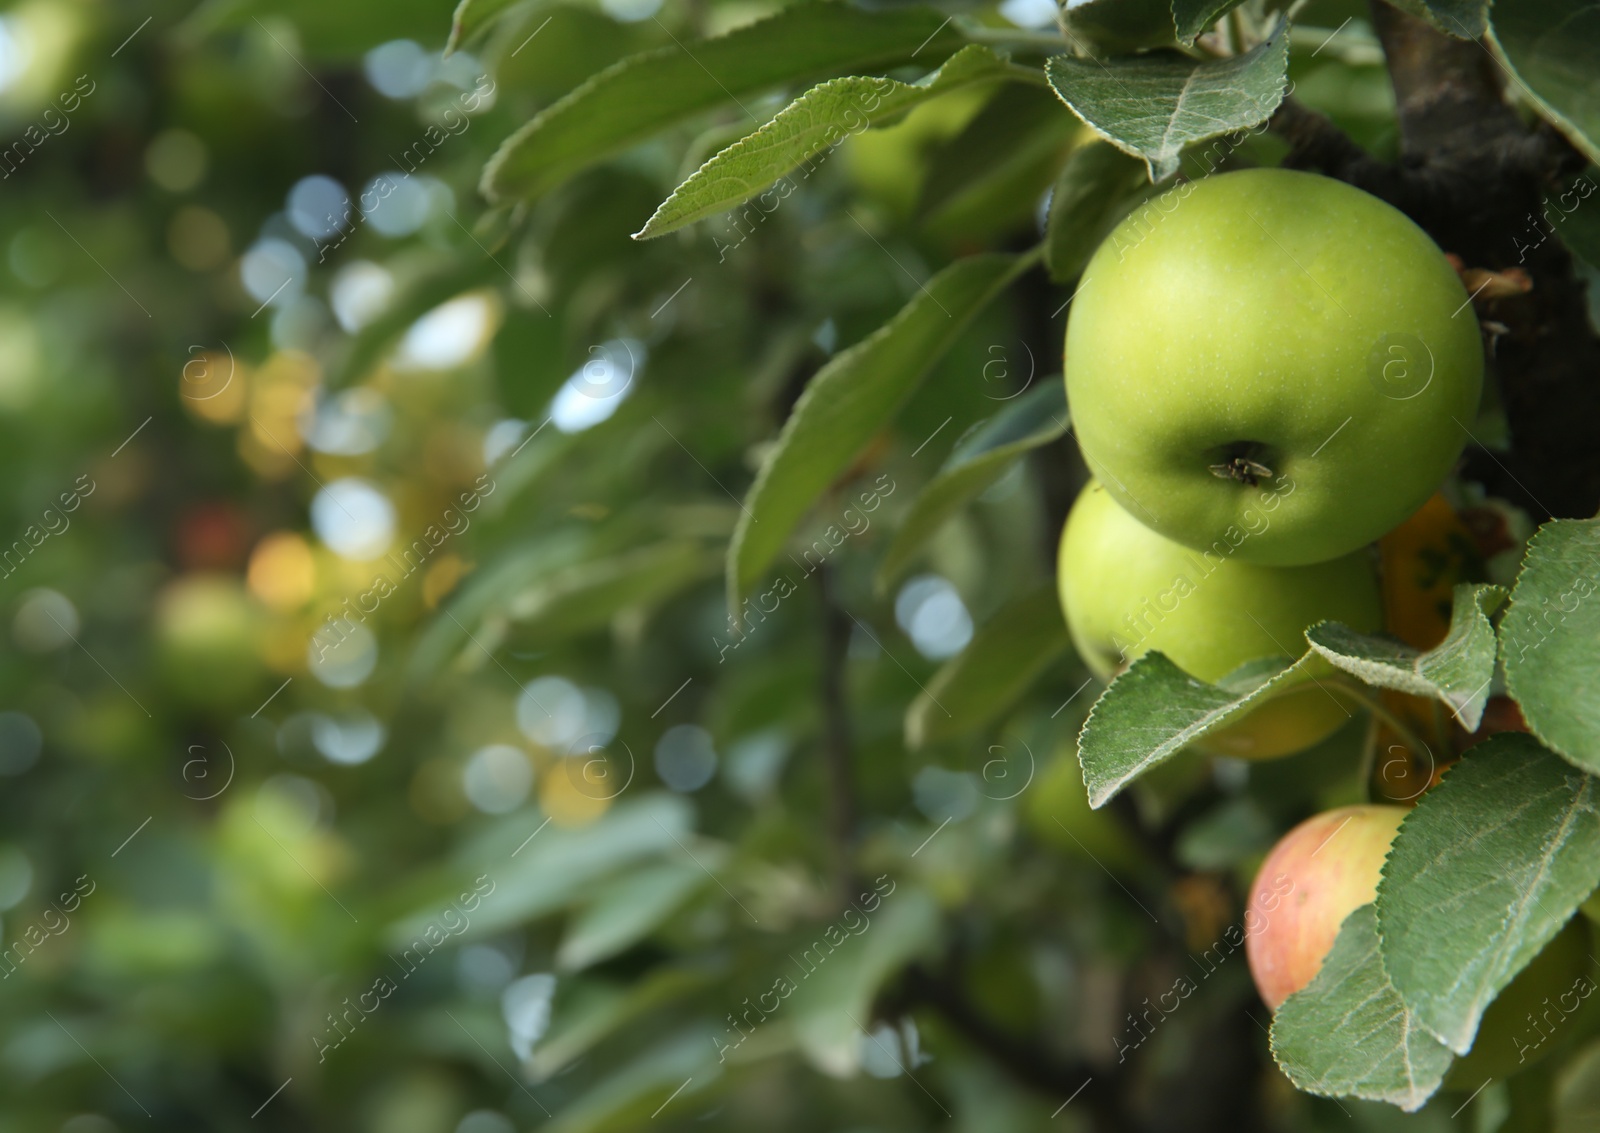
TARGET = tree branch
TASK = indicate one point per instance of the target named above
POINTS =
(1024, 1061)
(1478, 180)
(1316, 143)
(837, 745)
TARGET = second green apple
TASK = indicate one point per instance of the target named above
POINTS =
(1126, 590)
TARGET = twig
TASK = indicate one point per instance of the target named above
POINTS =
(1364, 698)
(1024, 1060)
(838, 746)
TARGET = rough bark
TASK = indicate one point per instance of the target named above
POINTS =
(1476, 177)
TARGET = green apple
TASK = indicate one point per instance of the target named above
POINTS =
(1317, 875)
(1126, 590)
(1530, 1017)
(1273, 362)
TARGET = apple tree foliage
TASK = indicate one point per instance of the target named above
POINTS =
(725, 761)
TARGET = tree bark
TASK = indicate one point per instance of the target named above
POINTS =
(1476, 178)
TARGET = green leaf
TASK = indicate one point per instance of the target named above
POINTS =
(587, 595)
(832, 1002)
(1030, 421)
(552, 867)
(489, 591)
(1552, 48)
(1457, 671)
(816, 121)
(1153, 710)
(1098, 186)
(1576, 1103)
(437, 284)
(472, 17)
(1550, 639)
(1349, 1034)
(644, 94)
(1151, 106)
(625, 911)
(1004, 658)
(1579, 228)
(1119, 27)
(985, 183)
(576, 1029)
(1193, 17)
(1483, 873)
(627, 1096)
(849, 400)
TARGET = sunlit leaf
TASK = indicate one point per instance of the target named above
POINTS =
(849, 401)
(999, 664)
(816, 121)
(1026, 422)
(644, 94)
(1153, 710)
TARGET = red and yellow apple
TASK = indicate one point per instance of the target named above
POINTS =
(1317, 875)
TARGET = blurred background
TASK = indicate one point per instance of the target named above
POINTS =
(375, 749)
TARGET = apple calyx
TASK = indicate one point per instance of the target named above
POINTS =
(1243, 469)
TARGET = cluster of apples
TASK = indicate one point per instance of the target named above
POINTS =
(1267, 370)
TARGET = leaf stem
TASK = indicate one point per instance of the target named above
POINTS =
(1026, 74)
(1364, 697)
(1016, 37)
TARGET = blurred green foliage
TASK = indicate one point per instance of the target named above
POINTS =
(378, 751)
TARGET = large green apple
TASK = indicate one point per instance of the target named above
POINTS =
(1272, 364)
(1317, 875)
(1126, 590)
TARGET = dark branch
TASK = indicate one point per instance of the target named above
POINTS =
(1025, 1061)
(1316, 143)
(1481, 183)
(837, 744)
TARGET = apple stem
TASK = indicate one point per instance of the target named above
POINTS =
(1363, 697)
(1369, 757)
